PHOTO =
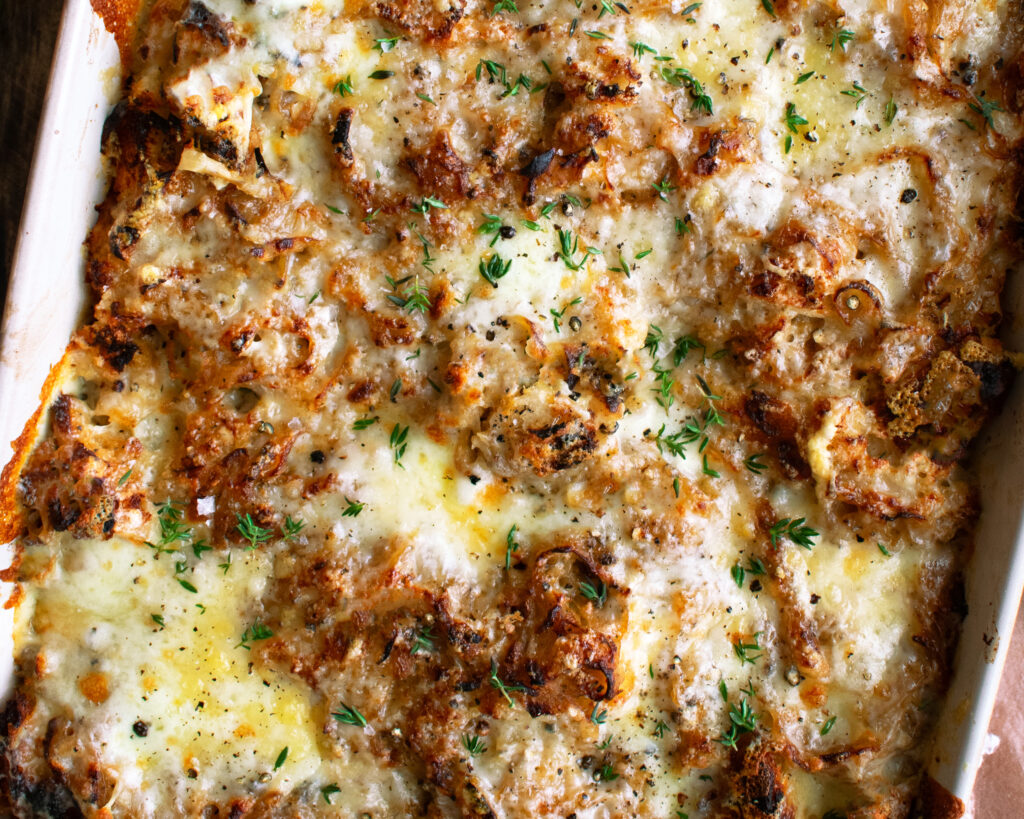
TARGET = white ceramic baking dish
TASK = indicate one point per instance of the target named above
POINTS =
(46, 296)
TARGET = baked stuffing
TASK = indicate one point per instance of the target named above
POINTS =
(519, 408)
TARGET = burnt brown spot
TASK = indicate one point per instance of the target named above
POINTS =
(339, 136)
(439, 170)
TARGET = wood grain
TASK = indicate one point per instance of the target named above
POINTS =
(28, 31)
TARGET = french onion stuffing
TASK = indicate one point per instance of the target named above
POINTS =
(519, 409)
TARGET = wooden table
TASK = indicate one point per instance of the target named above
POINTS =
(28, 29)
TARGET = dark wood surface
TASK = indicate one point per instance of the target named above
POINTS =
(28, 32)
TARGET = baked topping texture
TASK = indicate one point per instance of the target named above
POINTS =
(519, 409)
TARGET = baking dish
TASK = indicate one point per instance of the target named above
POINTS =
(46, 297)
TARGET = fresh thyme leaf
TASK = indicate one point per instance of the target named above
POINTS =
(508, 6)
(738, 575)
(595, 594)
(753, 463)
(706, 468)
(328, 791)
(414, 296)
(653, 340)
(674, 443)
(599, 715)
(606, 773)
(728, 739)
(597, 35)
(706, 390)
(492, 224)
(398, 442)
(365, 423)
(755, 566)
(842, 38)
(474, 745)
(257, 631)
(743, 650)
(883, 550)
(187, 586)
(768, 6)
(158, 619)
(510, 546)
(281, 757)
(827, 726)
(425, 98)
(891, 109)
(292, 528)
(428, 202)
(250, 531)
(663, 391)
(124, 478)
(503, 687)
(494, 268)
(795, 530)
(385, 44)
(173, 529)
(639, 49)
(793, 119)
(858, 93)
(804, 78)
(568, 246)
(423, 641)
(353, 509)
(381, 74)
(396, 388)
(985, 107)
(664, 188)
(345, 87)
(743, 717)
(660, 728)
(680, 77)
(347, 715)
